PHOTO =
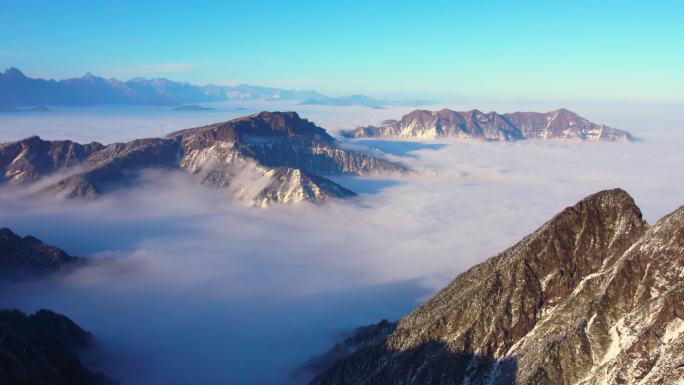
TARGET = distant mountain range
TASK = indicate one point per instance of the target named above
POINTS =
(594, 296)
(18, 90)
(362, 100)
(266, 158)
(192, 107)
(559, 124)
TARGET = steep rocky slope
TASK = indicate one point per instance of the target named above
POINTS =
(593, 296)
(265, 158)
(559, 124)
(28, 256)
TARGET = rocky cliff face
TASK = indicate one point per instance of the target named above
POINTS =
(28, 256)
(264, 158)
(559, 124)
(593, 296)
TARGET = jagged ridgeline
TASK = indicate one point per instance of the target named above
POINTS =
(26, 257)
(594, 296)
(270, 157)
(559, 124)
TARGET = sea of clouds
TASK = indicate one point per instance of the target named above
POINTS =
(187, 286)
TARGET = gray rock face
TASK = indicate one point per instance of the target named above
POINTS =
(264, 158)
(29, 257)
(559, 124)
(593, 296)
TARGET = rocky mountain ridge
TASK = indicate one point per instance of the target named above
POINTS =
(595, 295)
(270, 157)
(29, 257)
(559, 124)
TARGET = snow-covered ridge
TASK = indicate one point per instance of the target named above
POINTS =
(559, 124)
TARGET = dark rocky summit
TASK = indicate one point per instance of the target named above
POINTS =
(559, 124)
(594, 296)
(29, 257)
(265, 158)
(41, 349)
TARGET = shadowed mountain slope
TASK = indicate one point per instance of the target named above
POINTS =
(28, 256)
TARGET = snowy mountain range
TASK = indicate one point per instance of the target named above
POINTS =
(559, 124)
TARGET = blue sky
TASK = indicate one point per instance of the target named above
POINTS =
(564, 50)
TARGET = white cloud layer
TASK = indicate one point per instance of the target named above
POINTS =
(190, 288)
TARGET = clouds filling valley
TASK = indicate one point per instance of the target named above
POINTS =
(187, 286)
